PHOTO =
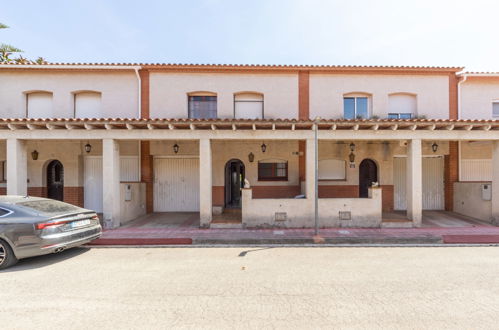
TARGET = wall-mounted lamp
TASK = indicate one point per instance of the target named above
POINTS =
(88, 148)
(34, 155)
(264, 147)
(176, 148)
(352, 147)
(434, 147)
(351, 157)
(251, 157)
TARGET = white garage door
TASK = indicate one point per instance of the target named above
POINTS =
(176, 185)
(433, 183)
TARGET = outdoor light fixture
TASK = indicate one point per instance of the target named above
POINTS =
(88, 148)
(352, 147)
(264, 147)
(34, 155)
(176, 148)
(434, 147)
(351, 157)
(251, 157)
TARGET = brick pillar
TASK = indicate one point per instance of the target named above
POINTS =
(303, 95)
(146, 160)
(146, 173)
(451, 174)
(144, 94)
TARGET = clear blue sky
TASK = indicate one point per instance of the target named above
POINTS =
(376, 32)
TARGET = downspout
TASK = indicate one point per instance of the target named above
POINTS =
(459, 95)
(139, 115)
(139, 89)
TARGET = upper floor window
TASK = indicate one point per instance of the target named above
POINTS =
(39, 104)
(202, 105)
(248, 106)
(401, 106)
(356, 106)
(87, 104)
(495, 108)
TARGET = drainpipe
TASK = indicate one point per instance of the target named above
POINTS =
(139, 89)
(459, 95)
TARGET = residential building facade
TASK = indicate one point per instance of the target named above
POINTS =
(127, 140)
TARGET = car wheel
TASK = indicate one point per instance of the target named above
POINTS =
(7, 257)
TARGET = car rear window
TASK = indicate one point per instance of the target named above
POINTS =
(49, 206)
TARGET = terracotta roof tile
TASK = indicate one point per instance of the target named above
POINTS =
(251, 66)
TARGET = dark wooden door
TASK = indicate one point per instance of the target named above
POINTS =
(234, 181)
(368, 173)
(55, 180)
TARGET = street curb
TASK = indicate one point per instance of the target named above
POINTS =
(329, 241)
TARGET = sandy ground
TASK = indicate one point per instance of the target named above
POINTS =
(259, 288)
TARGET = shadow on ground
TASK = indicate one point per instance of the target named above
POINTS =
(46, 260)
(244, 253)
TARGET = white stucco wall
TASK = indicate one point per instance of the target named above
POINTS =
(365, 212)
(223, 151)
(135, 207)
(476, 97)
(468, 201)
(168, 92)
(327, 90)
(119, 91)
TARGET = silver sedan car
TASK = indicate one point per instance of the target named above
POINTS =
(33, 226)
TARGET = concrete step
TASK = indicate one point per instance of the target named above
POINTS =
(226, 225)
(396, 223)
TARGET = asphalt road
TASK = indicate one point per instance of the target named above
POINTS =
(218, 288)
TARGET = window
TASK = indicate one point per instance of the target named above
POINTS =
(4, 212)
(39, 105)
(87, 105)
(248, 106)
(332, 169)
(202, 106)
(495, 109)
(399, 115)
(401, 106)
(356, 107)
(272, 170)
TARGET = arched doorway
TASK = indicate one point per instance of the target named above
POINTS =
(55, 180)
(234, 181)
(368, 173)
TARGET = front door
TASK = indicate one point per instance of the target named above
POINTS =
(368, 173)
(234, 181)
(55, 180)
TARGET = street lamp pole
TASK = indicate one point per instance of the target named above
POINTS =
(316, 169)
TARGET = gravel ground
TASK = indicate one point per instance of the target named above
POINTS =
(259, 288)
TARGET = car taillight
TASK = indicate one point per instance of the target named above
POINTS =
(95, 217)
(43, 225)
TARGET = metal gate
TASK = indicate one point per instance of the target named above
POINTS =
(176, 185)
(433, 183)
